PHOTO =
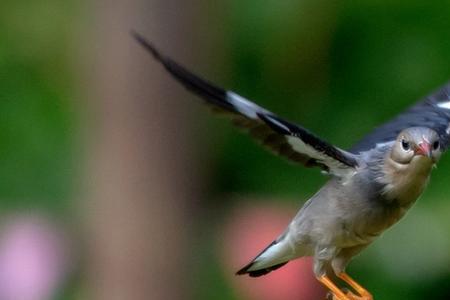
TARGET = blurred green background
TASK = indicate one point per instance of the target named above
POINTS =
(37, 93)
(337, 68)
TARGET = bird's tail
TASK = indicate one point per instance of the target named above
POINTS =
(276, 255)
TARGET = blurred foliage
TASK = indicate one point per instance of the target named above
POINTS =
(36, 104)
(38, 118)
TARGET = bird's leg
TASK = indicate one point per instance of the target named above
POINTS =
(365, 295)
(338, 294)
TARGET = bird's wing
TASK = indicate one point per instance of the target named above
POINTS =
(432, 112)
(284, 138)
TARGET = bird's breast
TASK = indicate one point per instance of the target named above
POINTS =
(405, 183)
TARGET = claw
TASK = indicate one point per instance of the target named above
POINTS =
(363, 293)
(345, 294)
(348, 294)
(336, 292)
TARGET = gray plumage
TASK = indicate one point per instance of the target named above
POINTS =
(371, 186)
(347, 214)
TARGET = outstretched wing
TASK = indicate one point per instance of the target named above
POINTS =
(284, 138)
(432, 112)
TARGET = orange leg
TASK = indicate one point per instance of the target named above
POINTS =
(365, 295)
(338, 294)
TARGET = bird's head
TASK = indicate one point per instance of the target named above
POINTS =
(419, 144)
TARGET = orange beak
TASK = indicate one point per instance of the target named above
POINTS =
(424, 149)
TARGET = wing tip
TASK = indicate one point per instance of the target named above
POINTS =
(146, 44)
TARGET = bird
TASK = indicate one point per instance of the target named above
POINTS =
(370, 187)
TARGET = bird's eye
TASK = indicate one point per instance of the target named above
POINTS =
(436, 145)
(406, 145)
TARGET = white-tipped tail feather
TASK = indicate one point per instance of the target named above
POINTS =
(276, 255)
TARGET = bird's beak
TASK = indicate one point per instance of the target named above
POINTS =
(424, 149)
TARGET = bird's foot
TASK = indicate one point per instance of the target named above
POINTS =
(349, 295)
(352, 296)
(344, 294)
(363, 293)
(335, 293)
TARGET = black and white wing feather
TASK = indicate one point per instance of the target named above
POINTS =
(284, 138)
(432, 112)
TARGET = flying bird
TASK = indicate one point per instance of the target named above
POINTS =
(371, 186)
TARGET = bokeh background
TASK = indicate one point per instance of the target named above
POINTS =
(116, 184)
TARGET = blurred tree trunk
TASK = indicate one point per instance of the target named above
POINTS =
(140, 180)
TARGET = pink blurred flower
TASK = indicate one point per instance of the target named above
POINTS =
(33, 258)
(249, 230)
